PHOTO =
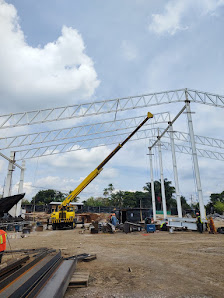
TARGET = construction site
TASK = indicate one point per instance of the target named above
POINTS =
(115, 252)
(111, 168)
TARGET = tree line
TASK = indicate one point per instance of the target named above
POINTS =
(124, 199)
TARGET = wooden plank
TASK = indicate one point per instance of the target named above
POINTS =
(79, 279)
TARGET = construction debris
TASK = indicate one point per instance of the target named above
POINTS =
(82, 257)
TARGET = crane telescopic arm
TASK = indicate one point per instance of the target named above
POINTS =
(96, 172)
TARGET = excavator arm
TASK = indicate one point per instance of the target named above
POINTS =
(96, 172)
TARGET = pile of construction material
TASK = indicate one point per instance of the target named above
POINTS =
(37, 273)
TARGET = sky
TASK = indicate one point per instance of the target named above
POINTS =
(58, 53)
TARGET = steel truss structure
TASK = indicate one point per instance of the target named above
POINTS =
(79, 131)
(115, 138)
(109, 106)
(200, 152)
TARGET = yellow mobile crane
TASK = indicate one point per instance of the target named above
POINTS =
(65, 216)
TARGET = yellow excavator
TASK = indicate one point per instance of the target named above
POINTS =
(65, 215)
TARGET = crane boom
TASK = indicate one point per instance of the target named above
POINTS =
(96, 172)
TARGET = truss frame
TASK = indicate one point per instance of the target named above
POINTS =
(109, 106)
(115, 139)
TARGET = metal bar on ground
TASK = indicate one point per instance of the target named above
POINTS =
(29, 284)
(59, 281)
(19, 272)
(44, 280)
(13, 265)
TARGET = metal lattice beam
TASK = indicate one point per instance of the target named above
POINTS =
(200, 152)
(78, 131)
(109, 140)
(109, 106)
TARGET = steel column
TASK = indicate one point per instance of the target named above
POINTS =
(179, 208)
(152, 185)
(11, 167)
(195, 160)
(18, 209)
(162, 180)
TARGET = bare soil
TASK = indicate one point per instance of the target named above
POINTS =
(182, 264)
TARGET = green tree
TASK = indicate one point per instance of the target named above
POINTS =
(214, 199)
(129, 199)
(184, 203)
(110, 188)
(219, 207)
(46, 196)
(117, 199)
(107, 192)
(25, 201)
(169, 192)
(97, 202)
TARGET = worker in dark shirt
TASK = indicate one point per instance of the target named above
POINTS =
(199, 223)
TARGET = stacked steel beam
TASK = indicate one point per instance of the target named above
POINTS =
(45, 274)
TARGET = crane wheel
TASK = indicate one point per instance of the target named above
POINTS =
(54, 227)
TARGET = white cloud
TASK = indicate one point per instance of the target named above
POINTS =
(66, 184)
(175, 12)
(60, 69)
(80, 159)
(109, 173)
(58, 183)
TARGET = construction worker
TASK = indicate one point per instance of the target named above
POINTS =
(212, 226)
(114, 219)
(163, 226)
(199, 223)
(3, 236)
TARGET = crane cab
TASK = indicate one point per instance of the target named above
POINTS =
(63, 217)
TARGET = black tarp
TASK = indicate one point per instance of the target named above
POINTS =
(8, 202)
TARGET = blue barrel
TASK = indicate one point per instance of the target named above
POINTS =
(16, 228)
(150, 228)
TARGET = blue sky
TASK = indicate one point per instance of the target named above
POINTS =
(114, 49)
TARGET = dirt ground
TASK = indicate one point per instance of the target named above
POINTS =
(182, 264)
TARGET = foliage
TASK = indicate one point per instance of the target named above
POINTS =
(25, 201)
(219, 207)
(96, 202)
(46, 196)
(117, 199)
(214, 204)
(124, 199)
(184, 203)
(169, 191)
(215, 197)
(107, 192)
